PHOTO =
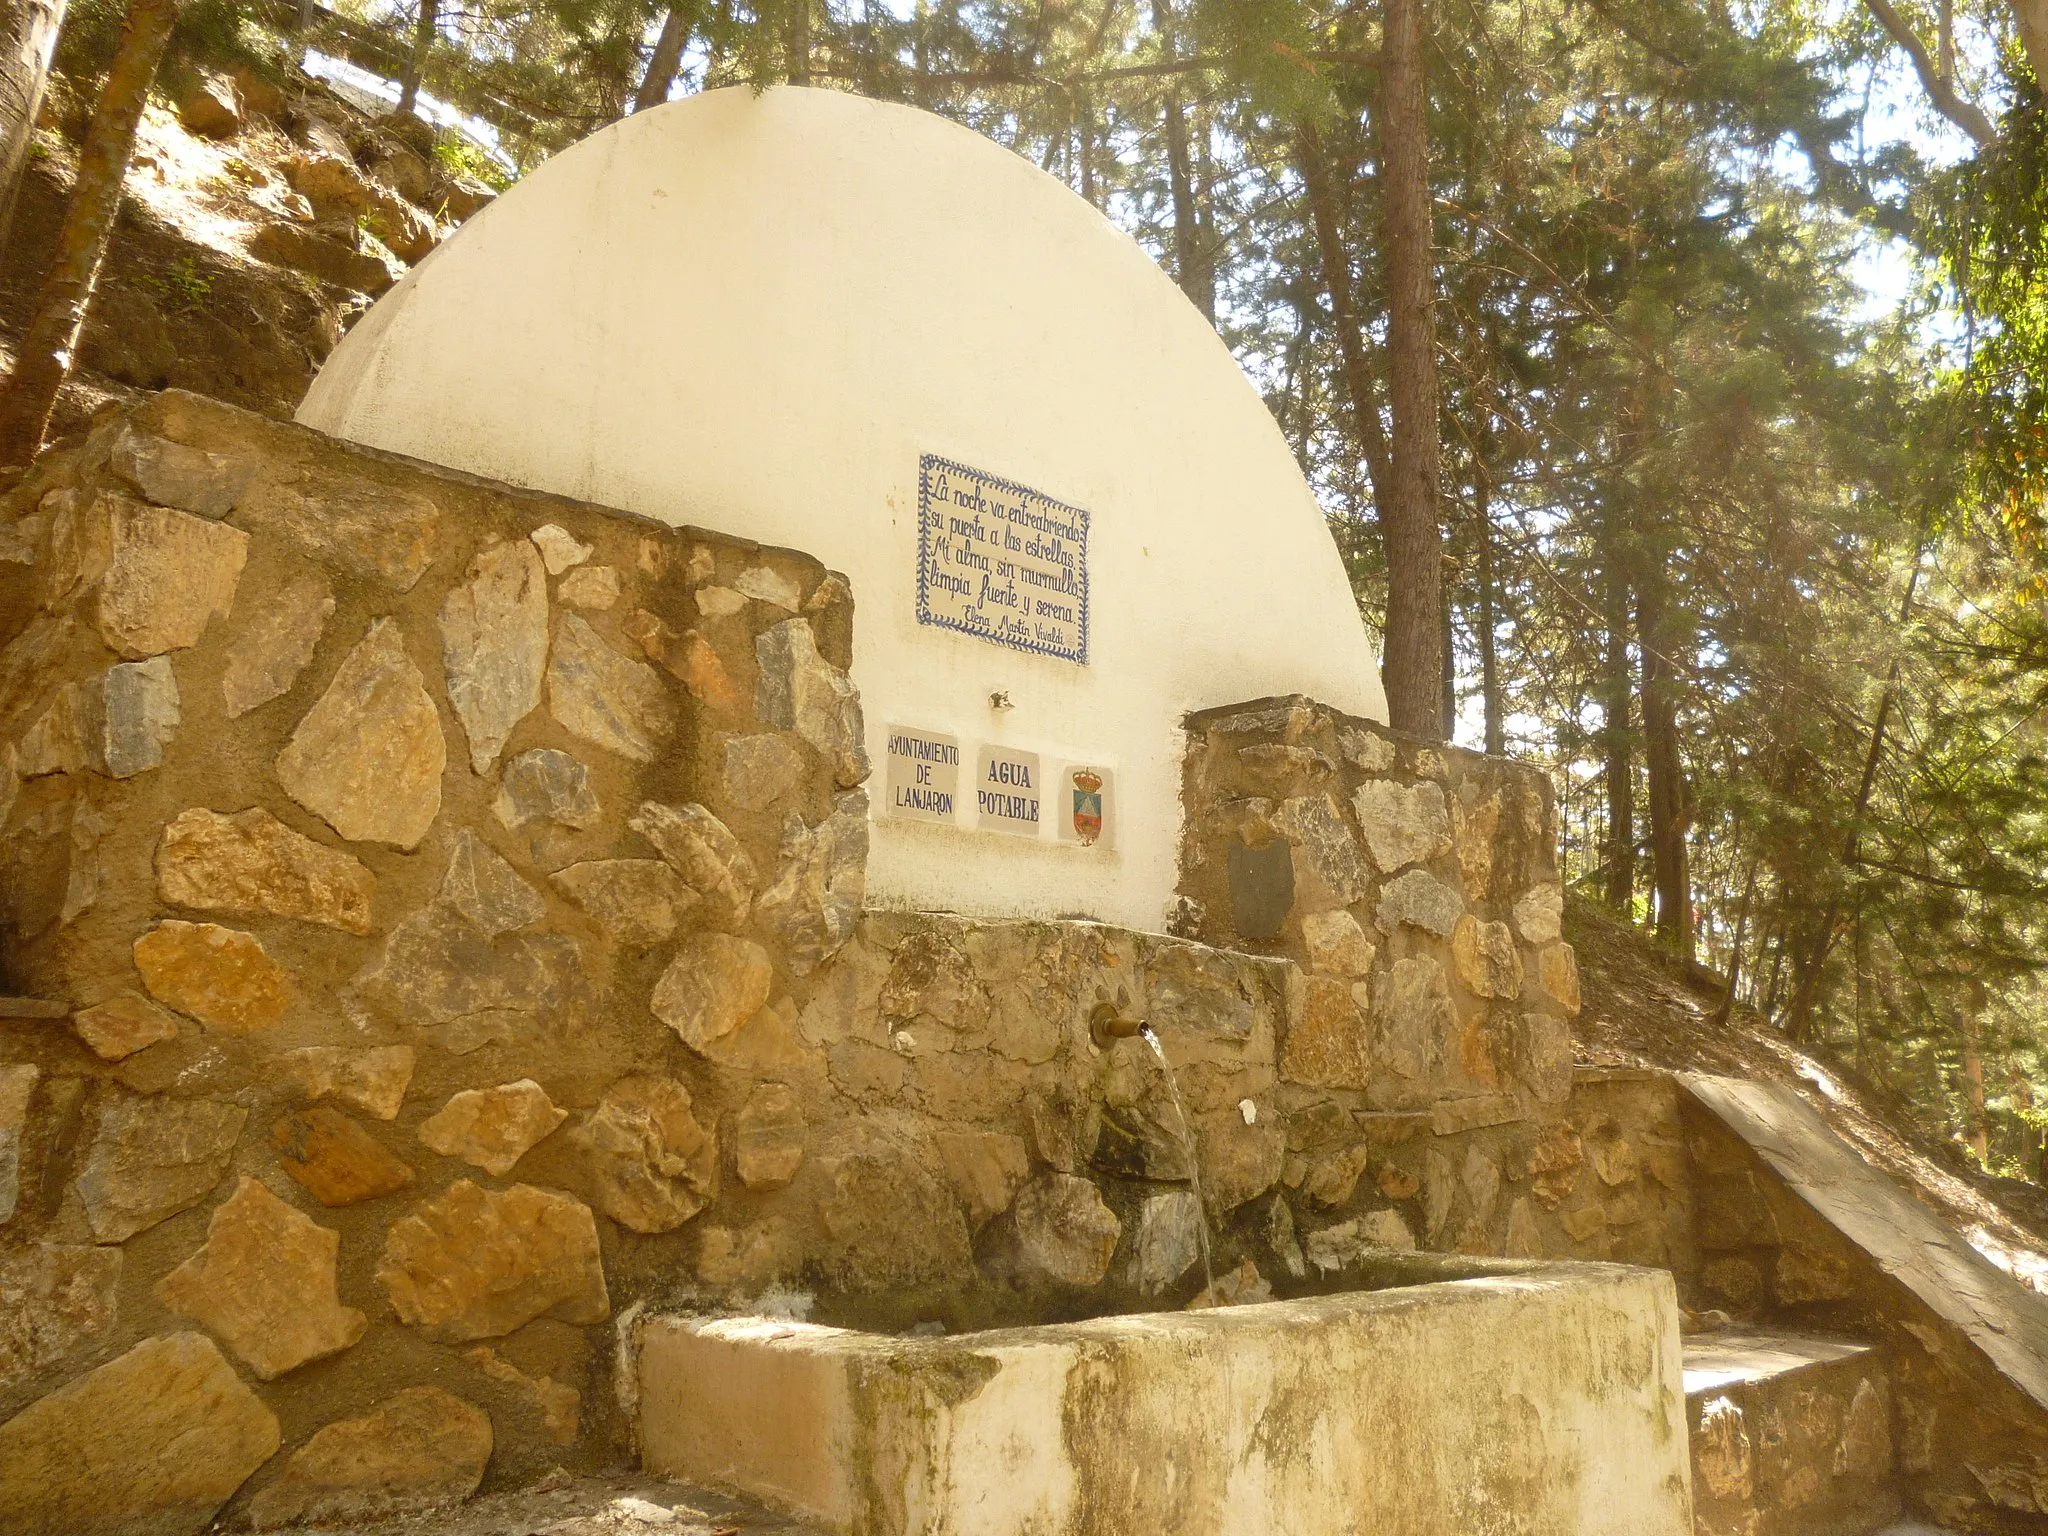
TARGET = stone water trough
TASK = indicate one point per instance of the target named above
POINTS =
(1453, 1397)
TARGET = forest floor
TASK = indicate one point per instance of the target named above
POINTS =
(1642, 1011)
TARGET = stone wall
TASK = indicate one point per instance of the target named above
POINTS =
(448, 907)
(423, 870)
(1428, 1070)
(1795, 1439)
(1416, 883)
(1971, 1446)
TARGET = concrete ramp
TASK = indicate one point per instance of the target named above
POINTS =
(2002, 1318)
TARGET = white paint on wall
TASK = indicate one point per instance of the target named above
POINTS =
(756, 313)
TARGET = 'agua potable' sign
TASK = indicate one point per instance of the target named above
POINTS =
(1006, 564)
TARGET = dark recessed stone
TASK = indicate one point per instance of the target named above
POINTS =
(1261, 888)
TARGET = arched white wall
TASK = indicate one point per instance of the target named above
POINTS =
(755, 312)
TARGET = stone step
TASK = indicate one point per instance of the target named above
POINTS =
(33, 1008)
(1791, 1435)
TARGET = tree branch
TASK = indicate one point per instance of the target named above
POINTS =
(1940, 89)
(1925, 877)
(1030, 74)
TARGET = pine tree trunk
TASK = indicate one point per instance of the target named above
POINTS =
(667, 57)
(1615, 741)
(1735, 949)
(1085, 111)
(921, 53)
(1770, 996)
(1489, 659)
(1414, 663)
(1975, 999)
(1325, 215)
(425, 28)
(800, 42)
(49, 345)
(27, 38)
(1824, 937)
(1192, 268)
(1448, 712)
(1863, 985)
(1669, 801)
(1207, 246)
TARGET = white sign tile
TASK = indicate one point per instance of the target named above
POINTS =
(1008, 791)
(923, 778)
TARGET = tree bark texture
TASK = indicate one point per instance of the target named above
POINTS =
(1326, 215)
(1414, 662)
(1193, 267)
(1448, 711)
(28, 36)
(49, 344)
(1670, 803)
(1489, 658)
(800, 42)
(426, 27)
(1089, 193)
(1208, 244)
(1616, 744)
(1978, 1128)
(667, 57)
(1769, 1006)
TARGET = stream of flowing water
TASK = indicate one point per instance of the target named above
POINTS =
(1187, 1141)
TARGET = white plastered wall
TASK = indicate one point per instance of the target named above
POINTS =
(755, 313)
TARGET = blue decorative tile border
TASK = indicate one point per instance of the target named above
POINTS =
(1001, 561)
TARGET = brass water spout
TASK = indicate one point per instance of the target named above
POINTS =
(1107, 1024)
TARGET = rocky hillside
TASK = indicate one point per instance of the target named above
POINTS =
(260, 222)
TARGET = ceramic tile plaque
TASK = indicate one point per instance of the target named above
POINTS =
(923, 778)
(1001, 561)
(1008, 787)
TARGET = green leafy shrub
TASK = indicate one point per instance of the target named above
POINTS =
(462, 157)
(181, 291)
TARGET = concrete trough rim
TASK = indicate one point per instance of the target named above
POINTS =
(1099, 1426)
(1501, 1277)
